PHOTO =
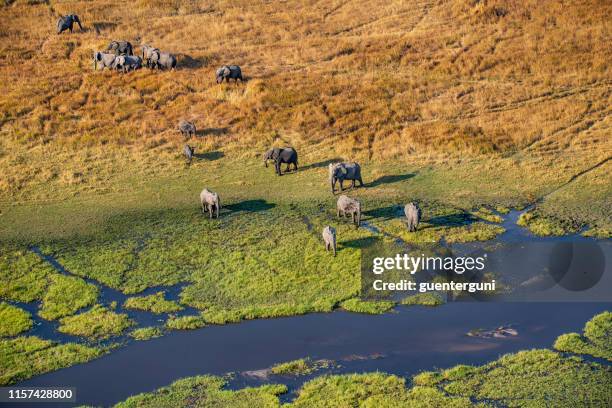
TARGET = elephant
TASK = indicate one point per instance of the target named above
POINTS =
(127, 63)
(344, 171)
(347, 205)
(329, 237)
(147, 52)
(189, 151)
(120, 48)
(413, 216)
(162, 60)
(228, 72)
(282, 155)
(187, 129)
(66, 22)
(210, 202)
(105, 59)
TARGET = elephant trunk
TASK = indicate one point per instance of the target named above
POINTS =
(358, 217)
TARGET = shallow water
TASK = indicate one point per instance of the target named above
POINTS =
(409, 340)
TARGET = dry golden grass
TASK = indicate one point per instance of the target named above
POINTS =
(429, 81)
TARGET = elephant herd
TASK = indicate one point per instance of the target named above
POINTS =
(119, 55)
(338, 172)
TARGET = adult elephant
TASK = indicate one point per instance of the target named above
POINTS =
(344, 171)
(120, 48)
(280, 155)
(67, 22)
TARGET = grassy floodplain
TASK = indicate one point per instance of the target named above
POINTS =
(533, 378)
(467, 108)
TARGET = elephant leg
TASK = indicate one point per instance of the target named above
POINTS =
(278, 167)
(295, 166)
(341, 185)
(360, 182)
(353, 183)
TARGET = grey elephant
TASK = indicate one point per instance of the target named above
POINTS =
(210, 202)
(329, 238)
(189, 151)
(280, 155)
(66, 22)
(162, 60)
(413, 216)
(127, 63)
(103, 59)
(147, 52)
(344, 171)
(187, 129)
(346, 206)
(228, 72)
(120, 47)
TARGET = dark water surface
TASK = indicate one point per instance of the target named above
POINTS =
(411, 340)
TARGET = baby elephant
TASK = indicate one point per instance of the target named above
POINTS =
(187, 129)
(228, 72)
(66, 22)
(413, 216)
(282, 155)
(210, 202)
(350, 206)
(188, 151)
(329, 237)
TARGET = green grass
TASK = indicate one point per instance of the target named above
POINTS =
(13, 320)
(546, 225)
(365, 306)
(185, 322)
(209, 393)
(98, 323)
(155, 303)
(423, 299)
(25, 357)
(302, 366)
(146, 333)
(596, 339)
(486, 214)
(65, 295)
(24, 275)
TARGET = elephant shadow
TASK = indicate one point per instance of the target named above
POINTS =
(452, 220)
(212, 131)
(251, 206)
(103, 25)
(386, 213)
(189, 62)
(320, 164)
(396, 178)
(209, 155)
(360, 243)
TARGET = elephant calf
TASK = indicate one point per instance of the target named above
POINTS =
(413, 216)
(228, 72)
(66, 22)
(127, 63)
(189, 151)
(347, 205)
(344, 171)
(329, 237)
(120, 48)
(210, 202)
(104, 59)
(187, 129)
(282, 155)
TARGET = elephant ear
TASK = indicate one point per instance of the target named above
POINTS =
(344, 170)
(226, 70)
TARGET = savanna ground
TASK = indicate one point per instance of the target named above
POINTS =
(464, 106)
